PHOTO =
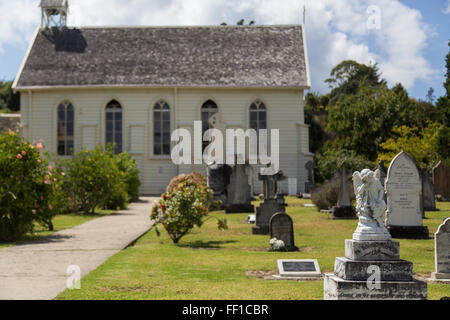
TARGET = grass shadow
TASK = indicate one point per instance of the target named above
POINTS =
(53, 238)
(200, 244)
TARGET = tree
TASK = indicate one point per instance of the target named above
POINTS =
(349, 76)
(363, 121)
(9, 101)
(419, 143)
(443, 106)
(430, 95)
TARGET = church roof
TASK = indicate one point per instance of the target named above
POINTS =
(225, 56)
(53, 3)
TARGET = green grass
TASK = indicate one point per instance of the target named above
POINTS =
(60, 222)
(211, 264)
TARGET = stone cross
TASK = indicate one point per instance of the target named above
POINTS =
(310, 184)
(217, 121)
(272, 184)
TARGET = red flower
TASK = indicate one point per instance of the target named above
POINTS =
(163, 207)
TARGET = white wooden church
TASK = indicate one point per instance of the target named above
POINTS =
(135, 85)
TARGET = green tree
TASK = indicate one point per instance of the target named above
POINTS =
(430, 95)
(363, 121)
(9, 101)
(349, 76)
(443, 106)
(419, 143)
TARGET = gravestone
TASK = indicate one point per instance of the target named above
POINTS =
(292, 182)
(404, 212)
(344, 208)
(310, 184)
(441, 180)
(282, 228)
(239, 191)
(371, 268)
(442, 251)
(218, 178)
(298, 269)
(273, 202)
(428, 199)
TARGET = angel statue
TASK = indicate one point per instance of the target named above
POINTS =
(370, 206)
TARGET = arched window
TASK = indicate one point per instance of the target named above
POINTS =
(161, 129)
(209, 109)
(258, 115)
(65, 129)
(114, 125)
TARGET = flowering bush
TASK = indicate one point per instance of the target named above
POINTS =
(184, 206)
(27, 187)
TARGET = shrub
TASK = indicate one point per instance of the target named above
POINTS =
(92, 176)
(130, 175)
(127, 190)
(98, 178)
(326, 196)
(184, 206)
(27, 187)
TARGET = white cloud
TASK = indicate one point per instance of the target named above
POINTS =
(336, 29)
(18, 22)
(447, 9)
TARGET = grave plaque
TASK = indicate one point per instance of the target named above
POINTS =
(282, 228)
(404, 194)
(299, 269)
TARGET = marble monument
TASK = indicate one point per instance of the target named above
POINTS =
(372, 268)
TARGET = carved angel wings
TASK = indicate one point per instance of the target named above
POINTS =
(358, 179)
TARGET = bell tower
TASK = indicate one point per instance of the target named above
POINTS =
(54, 13)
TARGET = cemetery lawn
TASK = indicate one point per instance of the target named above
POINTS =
(223, 265)
(60, 222)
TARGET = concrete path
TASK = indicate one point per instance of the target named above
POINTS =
(37, 270)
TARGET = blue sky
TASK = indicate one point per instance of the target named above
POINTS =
(410, 44)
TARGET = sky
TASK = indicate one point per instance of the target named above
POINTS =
(408, 39)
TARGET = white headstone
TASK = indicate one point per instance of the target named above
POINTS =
(442, 244)
(404, 193)
(292, 186)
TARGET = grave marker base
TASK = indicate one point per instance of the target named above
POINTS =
(400, 232)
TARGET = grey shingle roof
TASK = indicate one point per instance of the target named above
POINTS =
(262, 56)
(53, 3)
